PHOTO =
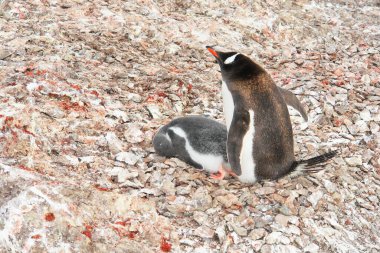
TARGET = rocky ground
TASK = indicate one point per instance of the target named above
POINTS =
(86, 84)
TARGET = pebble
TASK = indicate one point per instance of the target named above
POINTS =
(239, 230)
(259, 222)
(374, 127)
(114, 143)
(365, 115)
(134, 97)
(201, 199)
(285, 210)
(293, 230)
(168, 187)
(361, 126)
(302, 240)
(315, 197)
(221, 232)
(276, 238)
(311, 248)
(201, 250)
(366, 79)
(354, 160)
(4, 53)
(154, 111)
(258, 233)
(265, 190)
(187, 242)
(228, 200)
(330, 186)
(127, 157)
(68, 160)
(266, 249)
(133, 134)
(204, 232)
(200, 217)
(256, 245)
(123, 174)
(282, 219)
(285, 249)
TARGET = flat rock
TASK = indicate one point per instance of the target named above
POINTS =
(315, 197)
(354, 160)
(133, 134)
(204, 232)
(127, 157)
(265, 190)
(276, 238)
(258, 233)
(114, 143)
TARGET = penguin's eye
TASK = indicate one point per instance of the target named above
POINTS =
(231, 59)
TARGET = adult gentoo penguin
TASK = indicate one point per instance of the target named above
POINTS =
(260, 137)
(197, 140)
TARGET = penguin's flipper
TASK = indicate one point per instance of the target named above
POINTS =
(235, 139)
(292, 100)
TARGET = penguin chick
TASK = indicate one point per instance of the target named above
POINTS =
(260, 137)
(197, 140)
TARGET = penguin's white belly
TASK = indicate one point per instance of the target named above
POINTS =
(228, 105)
(209, 162)
(247, 163)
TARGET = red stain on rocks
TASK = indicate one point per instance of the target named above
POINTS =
(165, 245)
(325, 82)
(75, 106)
(49, 217)
(103, 189)
(74, 86)
(23, 167)
(88, 231)
(94, 92)
(36, 236)
(189, 87)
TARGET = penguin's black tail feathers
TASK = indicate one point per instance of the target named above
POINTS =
(308, 166)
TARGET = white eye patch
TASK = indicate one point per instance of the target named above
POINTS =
(231, 59)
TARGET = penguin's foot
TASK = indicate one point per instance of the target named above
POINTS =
(231, 173)
(220, 174)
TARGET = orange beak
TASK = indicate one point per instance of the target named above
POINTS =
(212, 51)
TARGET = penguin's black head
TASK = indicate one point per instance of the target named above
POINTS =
(235, 66)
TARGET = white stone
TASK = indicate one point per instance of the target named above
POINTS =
(127, 157)
(354, 161)
(315, 197)
(366, 79)
(374, 127)
(258, 233)
(277, 237)
(330, 186)
(154, 111)
(312, 248)
(133, 134)
(365, 115)
(285, 249)
(114, 143)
